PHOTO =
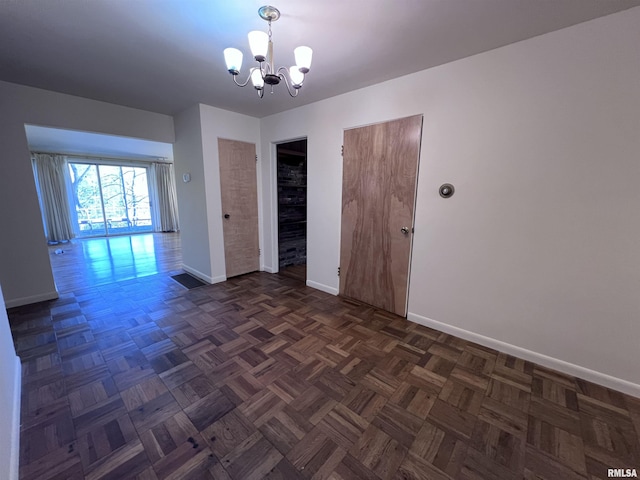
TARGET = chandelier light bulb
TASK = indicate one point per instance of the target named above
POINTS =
(258, 42)
(233, 59)
(297, 77)
(256, 78)
(303, 58)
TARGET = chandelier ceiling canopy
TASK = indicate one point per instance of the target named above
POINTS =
(262, 50)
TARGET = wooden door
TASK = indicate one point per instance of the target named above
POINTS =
(239, 206)
(380, 165)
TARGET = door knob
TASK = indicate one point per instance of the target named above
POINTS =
(405, 230)
(226, 215)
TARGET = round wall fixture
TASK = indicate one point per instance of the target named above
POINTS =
(446, 190)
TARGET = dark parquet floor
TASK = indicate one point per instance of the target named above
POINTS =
(297, 272)
(261, 377)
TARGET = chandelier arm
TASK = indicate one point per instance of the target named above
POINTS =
(242, 84)
(263, 70)
(282, 73)
(260, 92)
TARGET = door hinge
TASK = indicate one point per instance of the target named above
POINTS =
(342, 150)
(256, 158)
(338, 271)
(259, 252)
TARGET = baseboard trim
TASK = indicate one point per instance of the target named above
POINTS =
(14, 466)
(205, 278)
(42, 297)
(322, 287)
(270, 269)
(600, 378)
(218, 279)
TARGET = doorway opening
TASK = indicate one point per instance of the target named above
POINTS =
(292, 208)
(108, 205)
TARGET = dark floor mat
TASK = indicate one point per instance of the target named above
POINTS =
(187, 281)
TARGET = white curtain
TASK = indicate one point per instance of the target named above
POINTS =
(49, 172)
(167, 202)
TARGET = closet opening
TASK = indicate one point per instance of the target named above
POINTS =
(292, 208)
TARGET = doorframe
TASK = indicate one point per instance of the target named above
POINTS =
(273, 200)
(413, 220)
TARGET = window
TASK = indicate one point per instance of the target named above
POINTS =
(109, 199)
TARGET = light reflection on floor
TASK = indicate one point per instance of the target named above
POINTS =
(97, 261)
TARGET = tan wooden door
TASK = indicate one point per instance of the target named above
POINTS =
(239, 206)
(380, 165)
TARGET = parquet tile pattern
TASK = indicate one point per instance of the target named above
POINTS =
(261, 377)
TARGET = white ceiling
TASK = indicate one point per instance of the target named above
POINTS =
(56, 140)
(166, 55)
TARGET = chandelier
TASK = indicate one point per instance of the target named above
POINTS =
(262, 51)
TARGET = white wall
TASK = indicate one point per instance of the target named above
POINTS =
(538, 251)
(25, 271)
(196, 150)
(10, 382)
(192, 204)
